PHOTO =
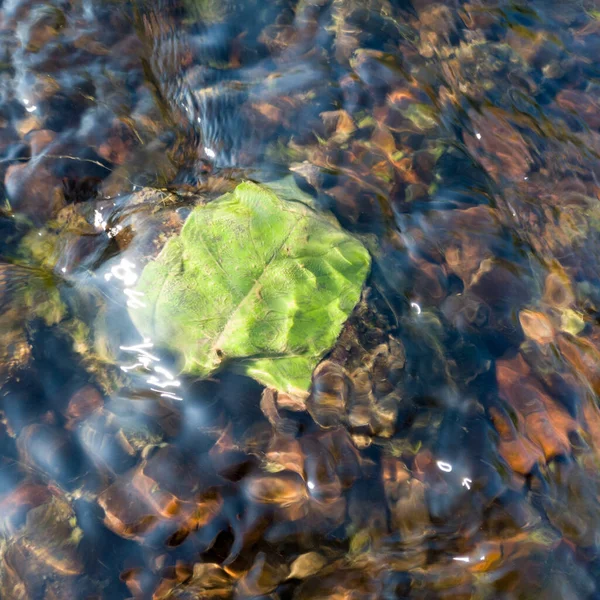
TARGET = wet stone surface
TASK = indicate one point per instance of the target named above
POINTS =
(447, 448)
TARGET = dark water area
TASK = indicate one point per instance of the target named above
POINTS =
(447, 449)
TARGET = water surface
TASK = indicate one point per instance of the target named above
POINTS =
(448, 448)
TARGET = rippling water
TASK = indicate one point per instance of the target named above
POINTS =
(448, 447)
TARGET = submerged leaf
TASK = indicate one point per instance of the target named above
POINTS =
(262, 283)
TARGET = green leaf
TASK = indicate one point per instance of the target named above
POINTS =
(255, 281)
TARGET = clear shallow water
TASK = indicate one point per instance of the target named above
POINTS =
(450, 448)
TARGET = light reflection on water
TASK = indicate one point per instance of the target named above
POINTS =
(125, 273)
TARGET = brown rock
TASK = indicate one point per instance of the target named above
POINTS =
(581, 104)
(329, 395)
(117, 148)
(408, 507)
(33, 190)
(520, 454)
(464, 238)
(584, 357)
(500, 285)
(133, 579)
(306, 565)
(172, 471)
(229, 459)
(338, 123)
(511, 371)
(500, 147)
(162, 502)
(536, 326)
(51, 535)
(319, 468)
(285, 453)
(263, 577)
(284, 490)
(437, 23)
(82, 404)
(125, 511)
(51, 450)
(546, 423)
(15, 505)
(40, 139)
(28, 124)
(207, 581)
(558, 292)
(430, 282)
